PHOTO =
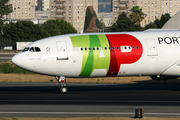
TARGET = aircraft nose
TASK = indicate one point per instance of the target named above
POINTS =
(17, 59)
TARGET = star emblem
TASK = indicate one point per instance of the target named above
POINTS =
(47, 49)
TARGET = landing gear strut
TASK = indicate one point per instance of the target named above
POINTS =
(62, 85)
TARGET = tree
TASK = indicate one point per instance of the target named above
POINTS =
(125, 24)
(4, 10)
(137, 14)
(24, 31)
(58, 27)
(150, 25)
(165, 18)
(158, 23)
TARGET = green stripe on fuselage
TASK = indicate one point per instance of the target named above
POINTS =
(102, 62)
(91, 58)
(82, 41)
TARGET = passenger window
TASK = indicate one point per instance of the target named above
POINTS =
(31, 49)
(25, 49)
(97, 48)
(85, 48)
(109, 48)
(117, 48)
(89, 48)
(105, 48)
(113, 48)
(81, 49)
(93, 48)
(137, 47)
(37, 49)
(133, 47)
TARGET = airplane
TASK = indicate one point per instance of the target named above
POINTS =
(147, 53)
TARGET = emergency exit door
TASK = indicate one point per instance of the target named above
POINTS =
(151, 47)
(62, 51)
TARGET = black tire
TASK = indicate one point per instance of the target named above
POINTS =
(62, 90)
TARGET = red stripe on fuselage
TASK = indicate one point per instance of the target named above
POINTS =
(117, 57)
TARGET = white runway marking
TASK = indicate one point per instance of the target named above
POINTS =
(75, 113)
(118, 101)
(91, 113)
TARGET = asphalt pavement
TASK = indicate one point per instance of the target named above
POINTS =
(88, 100)
(6, 56)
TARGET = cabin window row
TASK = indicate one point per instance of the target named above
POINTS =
(110, 48)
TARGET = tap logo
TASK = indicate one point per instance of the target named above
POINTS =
(107, 52)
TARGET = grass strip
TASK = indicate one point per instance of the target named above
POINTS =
(9, 67)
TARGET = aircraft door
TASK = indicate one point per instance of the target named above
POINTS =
(151, 47)
(62, 51)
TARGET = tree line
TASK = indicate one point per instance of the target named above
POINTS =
(23, 31)
(28, 31)
(132, 22)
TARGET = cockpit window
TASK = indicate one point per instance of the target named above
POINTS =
(37, 49)
(31, 49)
(34, 49)
(25, 49)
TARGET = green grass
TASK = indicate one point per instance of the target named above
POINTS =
(11, 68)
(3, 119)
(15, 118)
(51, 80)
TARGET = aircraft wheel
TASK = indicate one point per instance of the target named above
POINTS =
(62, 90)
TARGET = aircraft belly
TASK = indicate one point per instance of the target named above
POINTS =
(151, 65)
(99, 73)
(173, 70)
(137, 69)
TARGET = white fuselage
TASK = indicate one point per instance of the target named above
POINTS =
(104, 54)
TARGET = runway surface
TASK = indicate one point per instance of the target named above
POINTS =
(86, 100)
(6, 56)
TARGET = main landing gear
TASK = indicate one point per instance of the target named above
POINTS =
(62, 85)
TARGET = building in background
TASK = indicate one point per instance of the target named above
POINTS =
(170, 6)
(73, 11)
(22, 10)
(42, 5)
(104, 6)
(105, 14)
(36, 11)
(152, 9)
(120, 6)
(45, 5)
(106, 18)
(39, 5)
(41, 17)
